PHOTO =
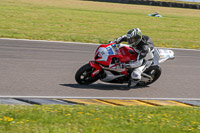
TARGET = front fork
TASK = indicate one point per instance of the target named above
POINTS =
(97, 68)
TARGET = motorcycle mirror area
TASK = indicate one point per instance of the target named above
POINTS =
(131, 51)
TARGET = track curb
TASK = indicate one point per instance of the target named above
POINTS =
(96, 101)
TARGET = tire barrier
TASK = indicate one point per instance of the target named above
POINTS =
(154, 3)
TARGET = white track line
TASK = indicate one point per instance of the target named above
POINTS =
(121, 98)
(47, 41)
(81, 43)
(47, 49)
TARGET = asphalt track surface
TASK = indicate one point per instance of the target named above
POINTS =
(42, 68)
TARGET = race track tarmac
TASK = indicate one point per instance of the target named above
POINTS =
(42, 68)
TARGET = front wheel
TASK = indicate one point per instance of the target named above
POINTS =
(154, 72)
(83, 75)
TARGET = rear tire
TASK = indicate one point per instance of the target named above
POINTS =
(154, 72)
(83, 75)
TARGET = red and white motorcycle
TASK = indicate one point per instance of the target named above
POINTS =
(107, 67)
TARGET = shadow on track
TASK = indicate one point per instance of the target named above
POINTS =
(100, 86)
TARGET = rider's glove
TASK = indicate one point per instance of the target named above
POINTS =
(114, 41)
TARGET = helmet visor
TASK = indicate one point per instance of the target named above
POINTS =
(134, 40)
(131, 40)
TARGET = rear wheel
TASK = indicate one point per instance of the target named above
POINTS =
(83, 75)
(154, 72)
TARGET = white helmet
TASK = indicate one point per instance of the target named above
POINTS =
(134, 36)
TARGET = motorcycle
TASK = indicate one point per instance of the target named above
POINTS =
(107, 65)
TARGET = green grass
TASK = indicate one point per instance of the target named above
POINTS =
(97, 22)
(98, 119)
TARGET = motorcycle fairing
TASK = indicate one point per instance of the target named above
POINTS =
(105, 53)
(126, 55)
(96, 66)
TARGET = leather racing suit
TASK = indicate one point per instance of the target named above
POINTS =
(145, 50)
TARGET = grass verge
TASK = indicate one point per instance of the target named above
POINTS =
(105, 119)
(97, 22)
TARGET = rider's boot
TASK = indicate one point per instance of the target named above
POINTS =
(132, 83)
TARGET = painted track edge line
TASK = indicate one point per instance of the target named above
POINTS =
(48, 41)
(77, 97)
(84, 43)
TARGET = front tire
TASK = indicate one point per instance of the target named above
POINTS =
(154, 72)
(83, 75)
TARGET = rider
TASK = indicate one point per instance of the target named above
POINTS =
(143, 45)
